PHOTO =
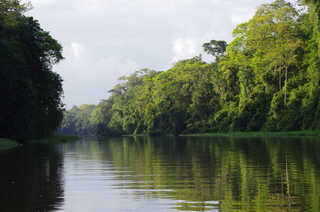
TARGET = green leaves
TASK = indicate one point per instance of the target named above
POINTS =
(30, 92)
(216, 48)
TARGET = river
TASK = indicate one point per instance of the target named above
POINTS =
(163, 174)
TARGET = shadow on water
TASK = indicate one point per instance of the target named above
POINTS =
(31, 178)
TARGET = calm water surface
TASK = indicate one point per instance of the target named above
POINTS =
(163, 174)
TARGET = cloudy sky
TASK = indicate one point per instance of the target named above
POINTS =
(105, 39)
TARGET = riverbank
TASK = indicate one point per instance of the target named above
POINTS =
(5, 143)
(243, 134)
(257, 134)
(56, 139)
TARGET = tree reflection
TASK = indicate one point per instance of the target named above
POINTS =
(31, 178)
(247, 174)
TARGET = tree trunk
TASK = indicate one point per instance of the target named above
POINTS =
(285, 87)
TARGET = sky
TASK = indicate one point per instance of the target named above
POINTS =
(105, 39)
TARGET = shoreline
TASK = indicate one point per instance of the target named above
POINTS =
(241, 134)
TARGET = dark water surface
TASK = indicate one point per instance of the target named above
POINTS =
(163, 174)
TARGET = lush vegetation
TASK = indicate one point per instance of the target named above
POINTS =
(7, 143)
(56, 139)
(77, 121)
(30, 92)
(266, 79)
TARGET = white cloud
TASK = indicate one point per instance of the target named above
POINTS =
(78, 50)
(87, 79)
(184, 48)
(42, 2)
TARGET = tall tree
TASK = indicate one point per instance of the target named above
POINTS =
(30, 92)
(216, 48)
(273, 38)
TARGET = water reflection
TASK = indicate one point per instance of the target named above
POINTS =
(225, 174)
(31, 178)
(163, 174)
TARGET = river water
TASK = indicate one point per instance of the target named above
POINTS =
(163, 174)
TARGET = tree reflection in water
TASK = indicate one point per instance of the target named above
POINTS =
(227, 174)
(185, 174)
(31, 178)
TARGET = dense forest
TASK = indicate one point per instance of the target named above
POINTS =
(30, 92)
(265, 79)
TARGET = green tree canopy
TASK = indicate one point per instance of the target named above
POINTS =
(30, 92)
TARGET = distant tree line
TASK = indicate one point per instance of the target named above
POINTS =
(266, 79)
(30, 92)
